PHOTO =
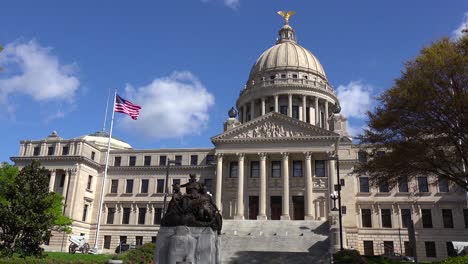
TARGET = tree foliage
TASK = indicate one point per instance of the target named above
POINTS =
(28, 211)
(422, 121)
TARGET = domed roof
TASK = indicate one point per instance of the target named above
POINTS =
(101, 139)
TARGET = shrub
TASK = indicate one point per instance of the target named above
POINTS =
(347, 256)
(141, 255)
(456, 260)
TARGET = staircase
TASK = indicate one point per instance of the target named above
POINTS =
(270, 241)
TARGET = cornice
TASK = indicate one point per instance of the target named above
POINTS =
(159, 168)
(79, 159)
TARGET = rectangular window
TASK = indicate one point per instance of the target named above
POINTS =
(160, 186)
(343, 210)
(362, 156)
(364, 184)
(380, 153)
(254, 169)
(162, 160)
(117, 161)
(62, 180)
(366, 215)
(388, 248)
(209, 159)
(283, 75)
(114, 186)
(408, 249)
(322, 119)
(465, 217)
(405, 217)
(276, 169)
(422, 184)
(426, 218)
(90, 182)
(141, 216)
(430, 249)
(294, 76)
(144, 186)
(178, 160)
(132, 161)
(342, 182)
(36, 151)
(297, 168)
(50, 151)
(139, 241)
(85, 212)
(284, 109)
(403, 185)
(126, 216)
(194, 160)
(320, 168)
(93, 155)
(153, 239)
(65, 150)
(123, 240)
(147, 161)
(233, 169)
(129, 186)
(383, 187)
(451, 252)
(295, 111)
(209, 185)
(107, 242)
(386, 218)
(308, 115)
(368, 248)
(443, 185)
(176, 181)
(110, 216)
(157, 216)
(447, 218)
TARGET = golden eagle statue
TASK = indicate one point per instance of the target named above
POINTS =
(286, 15)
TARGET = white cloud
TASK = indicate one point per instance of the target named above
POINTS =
(355, 99)
(355, 130)
(233, 4)
(457, 33)
(33, 70)
(172, 107)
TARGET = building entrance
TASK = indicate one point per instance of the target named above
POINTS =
(298, 207)
(253, 207)
(276, 207)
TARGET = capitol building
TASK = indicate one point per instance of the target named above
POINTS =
(274, 161)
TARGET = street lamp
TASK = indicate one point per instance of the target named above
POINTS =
(338, 197)
(169, 162)
(334, 197)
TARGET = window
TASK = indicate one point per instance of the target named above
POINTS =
(368, 248)
(383, 187)
(65, 150)
(362, 156)
(110, 216)
(209, 159)
(62, 180)
(153, 239)
(194, 160)
(233, 169)
(366, 215)
(320, 168)
(342, 182)
(283, 75)
(139, 240)
(295, 111)
(176, 181)
(276, 169)
(294, 76)
(443, 185)
(90, 182)
(430, 249)
(408, 249)
(117, 161)
(272, 77)
(305, 77)
(388, 248)
(465, 217)
(308, 115)
(141, 216)
(284, 109)
(147, 161)
(50, 151)
(451, 252)
(144, 186)
(126, 216)
(297, 168)
(380, 153)
(129, 188)
(93, 155)
(122, 240)
(422, 184)
(114, 186)
(162, 160)
(178, 159)
(403, 184)
(364, 184)
(132, 161)
(160, 186)
(85, 212)
(36, 151)
(447, 218)
(405, 217)
(209, 185)
(322, 119)
(107, 242)
(426, 218)
(254, 169)
(343, 210)
(157, 216)
(386, 218)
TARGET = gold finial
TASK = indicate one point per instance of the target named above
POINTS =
(286, 15)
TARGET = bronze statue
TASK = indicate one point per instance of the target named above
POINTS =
(286, 15)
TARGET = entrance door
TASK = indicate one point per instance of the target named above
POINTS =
(298, 207)
(276, 207)
(253, 207)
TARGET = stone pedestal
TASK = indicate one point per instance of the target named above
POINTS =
(334, 232)
(182, 244)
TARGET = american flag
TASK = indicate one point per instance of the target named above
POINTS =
(126, 107)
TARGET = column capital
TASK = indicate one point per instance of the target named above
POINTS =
(219, 155)
(308, 155)
(285, 155)
(263, 155)
(240, 155)
(53, 170)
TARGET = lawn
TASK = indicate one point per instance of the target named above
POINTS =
(60, 258)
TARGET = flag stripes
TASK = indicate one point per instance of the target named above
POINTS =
(126, 107)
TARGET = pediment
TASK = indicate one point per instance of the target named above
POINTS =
(274, 127)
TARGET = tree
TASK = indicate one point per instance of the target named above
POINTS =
(29, 212)
(422, 121)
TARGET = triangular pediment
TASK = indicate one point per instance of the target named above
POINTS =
(274, 127)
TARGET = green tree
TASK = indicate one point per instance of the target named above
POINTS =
(29, 212)
(422, 121)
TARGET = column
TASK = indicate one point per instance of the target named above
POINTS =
(78, 148)
(317, 113)
(151, 215)
(317, 210)
(263, 106)
(219, 180)
(240, 188)
(252, 109)
(30, 150)
(308, 194)
(71, 151)
(105, 209)
(65, 185)
(326, 115)
(262, 205)
(43, 150)
(244, 113)
(304, 108)
(285, 173)
(276, 104)
(120, 210)
(290, 105)
(21, 151)
(57, 149)
(52, 180)
(332, 174)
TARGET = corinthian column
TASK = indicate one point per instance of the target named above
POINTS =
(326, 115)
(240, 188)
(52, 180)
(219, 180)
(285, 173)
(304, 108)
(317, 116)
(262, 205)
(290, 105)
(263, 106)
(276, 104)
(308, 194)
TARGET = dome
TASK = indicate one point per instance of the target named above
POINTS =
(101, 139)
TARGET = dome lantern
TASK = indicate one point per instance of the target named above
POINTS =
(286, 33)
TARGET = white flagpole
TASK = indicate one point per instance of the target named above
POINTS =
(105, 116)
(101, 200)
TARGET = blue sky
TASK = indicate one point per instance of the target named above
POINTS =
(62, 57)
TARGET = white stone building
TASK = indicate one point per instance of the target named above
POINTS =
(271, 162)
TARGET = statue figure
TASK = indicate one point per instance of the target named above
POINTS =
(286, 15)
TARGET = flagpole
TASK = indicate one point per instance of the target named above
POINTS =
(105, 177)
(105, 116)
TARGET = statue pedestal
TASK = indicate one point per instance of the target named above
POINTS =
(182, 244)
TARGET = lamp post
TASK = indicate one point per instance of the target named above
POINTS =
(337, 192)
(334, 197)
(169, 162)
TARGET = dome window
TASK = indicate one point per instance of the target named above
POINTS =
(294, 76)
(283, 75)
(272, 77)
(306, 77)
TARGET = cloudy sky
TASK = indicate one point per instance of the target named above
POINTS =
(185, 61)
